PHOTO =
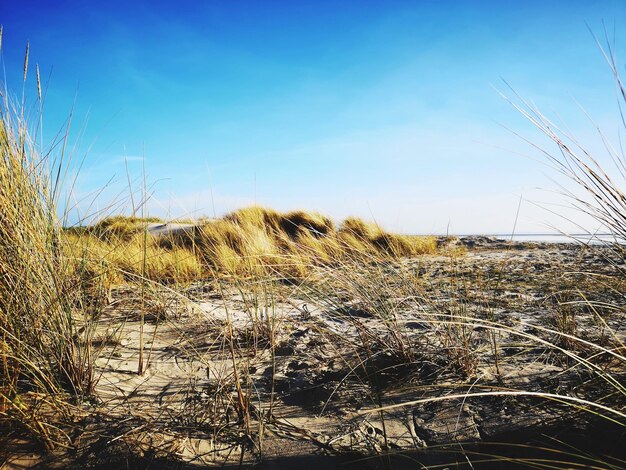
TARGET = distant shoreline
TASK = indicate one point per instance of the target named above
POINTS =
(517, 235)
(535, 237)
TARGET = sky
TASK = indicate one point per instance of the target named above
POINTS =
(387, 110)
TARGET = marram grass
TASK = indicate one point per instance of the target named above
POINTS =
(45, 345)
(247, 241)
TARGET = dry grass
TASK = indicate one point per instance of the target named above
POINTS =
(246, 242)
(44, 332)
(122, 258)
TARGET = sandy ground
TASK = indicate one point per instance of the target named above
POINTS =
(315, 361)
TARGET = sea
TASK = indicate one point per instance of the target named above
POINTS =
(580, 238)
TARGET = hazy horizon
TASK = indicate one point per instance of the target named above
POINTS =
(387, 111)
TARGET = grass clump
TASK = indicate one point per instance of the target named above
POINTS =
(256, 239)
(249, 241)
(44, 333)
(364, 236)
(115, 261)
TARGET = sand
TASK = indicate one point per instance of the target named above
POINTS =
(314, 364)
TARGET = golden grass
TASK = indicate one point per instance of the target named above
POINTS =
(365, 236)
(44, 340)
(123, 259)
(249, 241)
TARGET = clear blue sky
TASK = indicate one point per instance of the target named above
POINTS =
(384, 110)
